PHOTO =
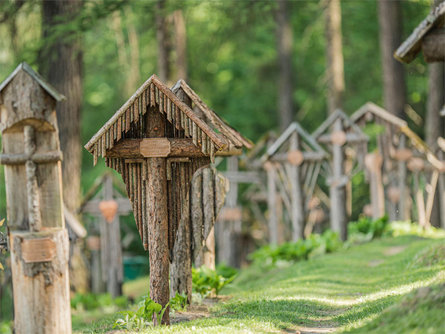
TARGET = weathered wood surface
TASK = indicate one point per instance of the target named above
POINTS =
(412, 45)
(41, 289)
(39, 241)
(433, 46)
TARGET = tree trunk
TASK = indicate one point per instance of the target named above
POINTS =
(284, 49)
(62, 65)
(334, 55)
(434, 124)
(180, 45)
(390, 24)
(61, 62)
(163, 45)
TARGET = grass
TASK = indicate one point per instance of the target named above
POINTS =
(363, 289)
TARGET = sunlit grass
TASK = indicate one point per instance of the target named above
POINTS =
(340, 291)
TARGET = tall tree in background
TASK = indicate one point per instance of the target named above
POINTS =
(390, 26)
(180, 44)
(61, 63)
(162, 38)
(284, 50)
(434, 127)
(334, 55)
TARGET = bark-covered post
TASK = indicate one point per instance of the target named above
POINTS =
(38, 238)
(272, 203)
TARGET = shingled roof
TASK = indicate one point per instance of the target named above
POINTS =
(412, 45)
(402, 127)
(209, 133)
(36, 76)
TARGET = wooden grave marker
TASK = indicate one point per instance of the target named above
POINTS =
(403, 156)
(336, 133)
(293, 163)
(107, 206)
(158, 180)
(38, 239)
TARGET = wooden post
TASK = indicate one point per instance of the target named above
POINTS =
(156, 196)
(402, 182)
(442, 193)
(271, 204)
(337, 187)
(229, 252)
(106, 252)
(297, 214)
(38, 238)
(373, 163)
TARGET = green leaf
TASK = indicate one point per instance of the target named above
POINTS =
(2, 221)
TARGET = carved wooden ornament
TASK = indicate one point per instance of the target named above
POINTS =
(415, 164)
(108, 209)
(295, 157)
(338, 138)
(393, 194)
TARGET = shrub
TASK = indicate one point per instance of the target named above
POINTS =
(370, 228)
(315, 244)
(91, 301)
(206, 280)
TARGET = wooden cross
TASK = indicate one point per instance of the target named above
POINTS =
(335, 132)
(293, 163)
(107, 206)
(38, 238)
(156, 141)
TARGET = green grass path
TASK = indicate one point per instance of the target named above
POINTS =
(340, 292)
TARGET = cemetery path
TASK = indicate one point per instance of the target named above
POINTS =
(369, 288)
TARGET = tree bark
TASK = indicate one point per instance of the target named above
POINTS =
(156, 194)
(180, 44)
(163, 45)
(434, 124)
(390, 24)
(61, 62)
(284, 50)
(334, 55)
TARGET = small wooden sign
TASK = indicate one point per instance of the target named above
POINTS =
(93, 243)
(38, 250)
(155, 147)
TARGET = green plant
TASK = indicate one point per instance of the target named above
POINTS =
(179, 302)
(367, 227)
(91, 301)
(142, 318)
(206, 280)
(315, 244)
(226, 271)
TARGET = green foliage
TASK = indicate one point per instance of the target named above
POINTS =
(5, 327)
(301, 250)
(206, 281)
(141, 318)
(401, 228)
(179, 302)
(367, 229)
(91, 301)
(226, 271)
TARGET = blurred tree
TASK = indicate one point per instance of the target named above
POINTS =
(162, 36)
(284, 49)
(180, 44)
(60, 61)
(394, 86)
(334, 55)
(434, 127)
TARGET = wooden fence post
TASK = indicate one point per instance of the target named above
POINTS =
(39, 241)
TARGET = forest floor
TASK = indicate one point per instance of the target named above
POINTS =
(391, 285)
